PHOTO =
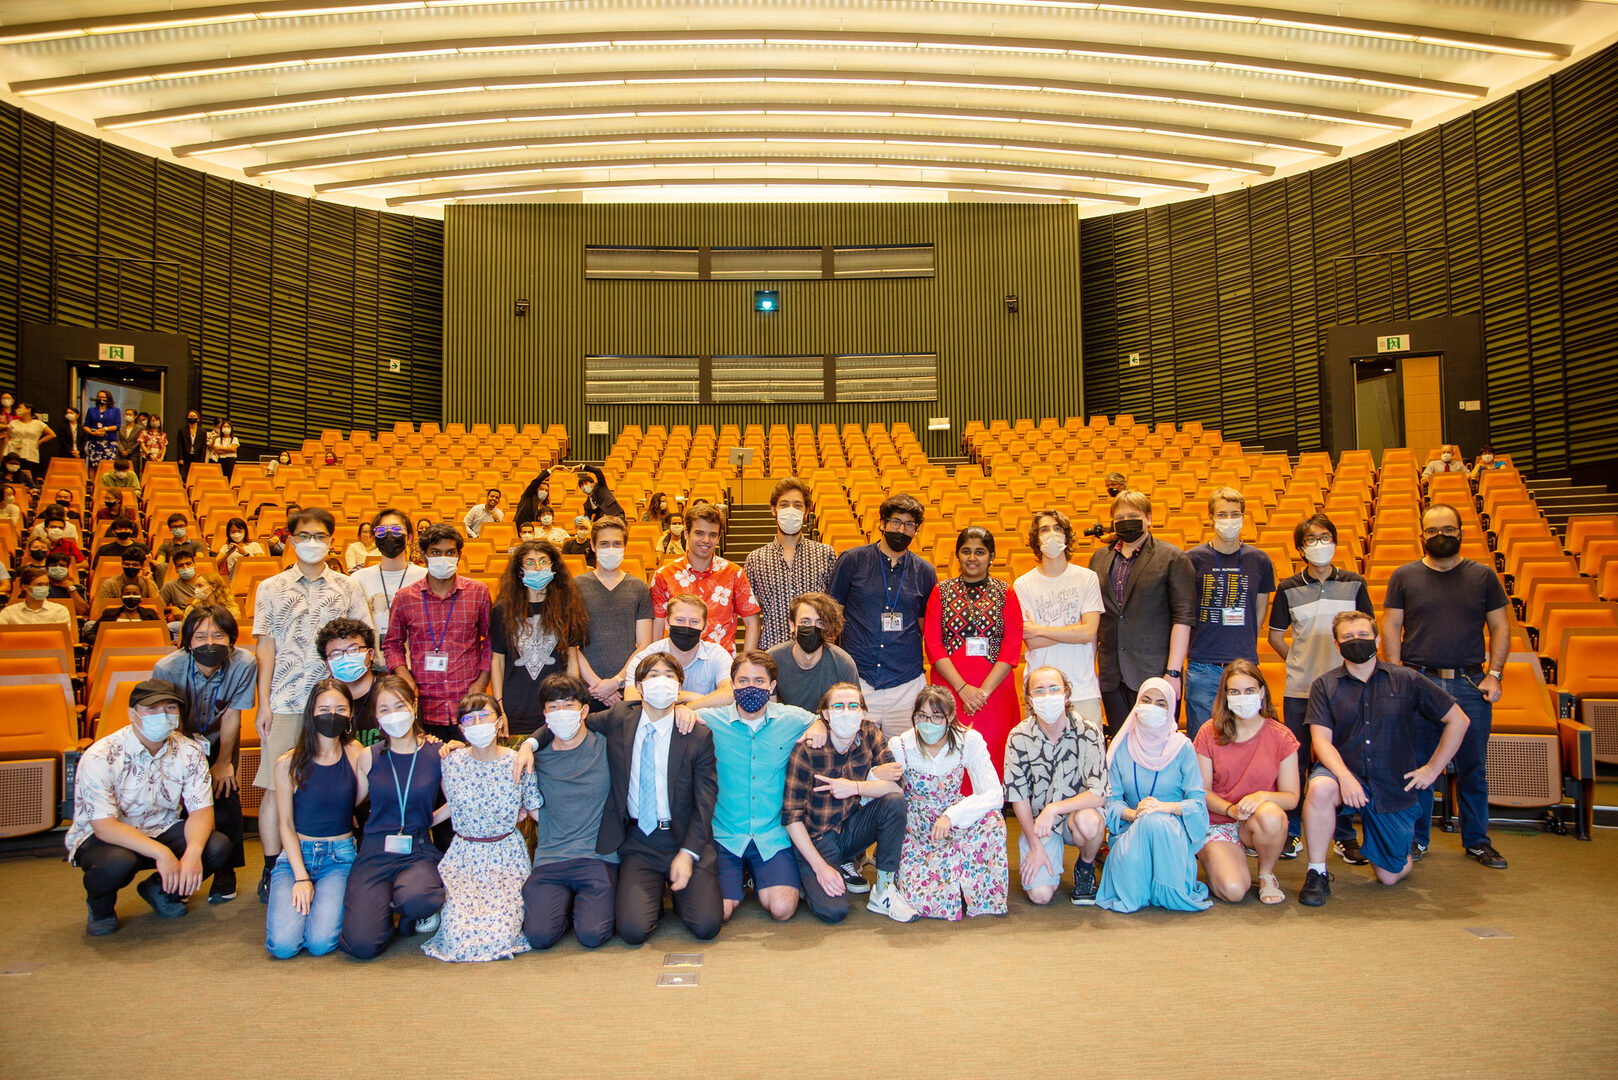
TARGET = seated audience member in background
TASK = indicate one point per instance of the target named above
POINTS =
(545, 527)
(1448, 461)
(1233, 586)
(788, 566)
(122, 477)
(129, 608)
(722, 584)
(704, 666)
(839, 798)
(484, 512)
(1156, 811)
(382, 581)
(618, 613)
(318, 783)
(348, 647)
(954, 857)
(16, 471)
(111, 509)
(63, 589)
(1061, 606)
(810, 661)
(438, 633)
(216, 680)
(35, 586)
(534, 632)
(656, 509)
(121, 539)
(178, 594)
(1115, 482)
(178, 540)
(396, 871)
(10, 508)
(281, 536)
(214, 590)
(1056, 783)
(142, 801)
(361, 550)
(1486, 462)
(1249, 764)
(1366, 721)
(60, 514)
(487, 863)
(671, 540)
(58, 533)
(133, 561)
(574, 781)
(579, 542)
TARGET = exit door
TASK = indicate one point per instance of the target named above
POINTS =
(1398, 401)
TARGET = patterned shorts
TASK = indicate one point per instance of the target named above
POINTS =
(1229, 832)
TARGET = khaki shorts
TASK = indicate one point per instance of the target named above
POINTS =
(1090, 709)
(890, 709)
(283, 736)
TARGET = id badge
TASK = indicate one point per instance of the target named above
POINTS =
(1233, 616)
(977, 646)
(892, 622)
(398, 844)
(437, 661)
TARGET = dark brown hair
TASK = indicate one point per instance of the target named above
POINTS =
(1224, 721)
(562, 612)
(303, 752)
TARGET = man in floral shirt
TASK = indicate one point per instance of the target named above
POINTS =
(721, 583)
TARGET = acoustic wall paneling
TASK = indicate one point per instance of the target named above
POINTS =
(294, 307)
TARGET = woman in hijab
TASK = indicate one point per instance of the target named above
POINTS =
(1157, 812)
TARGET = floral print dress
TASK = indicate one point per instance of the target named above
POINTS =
(967, 871)
(483, 877)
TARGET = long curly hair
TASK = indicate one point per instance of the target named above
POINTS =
(562, 612)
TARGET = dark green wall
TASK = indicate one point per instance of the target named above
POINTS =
(1228, 298)
(499, 368)
(293, 307)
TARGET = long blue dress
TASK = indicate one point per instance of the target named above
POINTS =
(1153, 860)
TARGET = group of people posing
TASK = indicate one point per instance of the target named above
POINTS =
(591, 748)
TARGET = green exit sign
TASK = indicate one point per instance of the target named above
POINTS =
(1393, 343)
(125, 353)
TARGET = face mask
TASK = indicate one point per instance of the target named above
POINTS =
(349, 668)
(37, 554)
(1151, 717)
(479, 735)
(312, 551)
(538, 579)
(1487, 458)
(1049, 707)
(1228, 530)
(660, 691)
(72, 418)
(285, 460)
(130, 602)
(564, 723)
(396, 724)
(1442, 547)
(330, 724)
(752, 699)
(684, 638)
(610, 558)
(237, 537)
(391, 546)
(57, 573)
(897, 541)
(11, 466)
(1129, 529)
(225, 432)
(54, 533)
(442, 567)
(1112, 492)
(930, 731)
(544, 496)
(39, 592)
(210, 656)
(1357, 650)
(1446, 457)
(586, 489)
(61, 501)
(789, 519)
(131, 572)
(157, 726)
(846, 724)
(124, 538)
(676, 529)
(1320, 553)
(190, 419)
(809, 638)
(1245, 706)
(1053, 544)
(546, 520)
(119, 473)
(188, 573)
(179, 532)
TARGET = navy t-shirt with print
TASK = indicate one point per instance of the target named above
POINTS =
(1228, 588)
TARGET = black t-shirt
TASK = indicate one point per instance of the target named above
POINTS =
(1444, 612)
(364, 714)
(527, 662)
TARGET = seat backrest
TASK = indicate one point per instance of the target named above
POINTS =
(1586, 668)
(35, 719)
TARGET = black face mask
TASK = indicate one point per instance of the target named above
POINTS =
(131, 603)
(1442, 547)
(330, 725)
(391, 546)
(131, 572)
(124, 538)
(809, 638)
(1130, 529)
(210, 655)
(64, 502)
(1357, 650)
(1112, 492)
(898, 541)
(684, 638)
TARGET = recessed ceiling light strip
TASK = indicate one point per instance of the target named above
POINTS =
(479, 194)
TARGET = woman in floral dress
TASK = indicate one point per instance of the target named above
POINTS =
(487, 862)
(954, 855)
(154, 442)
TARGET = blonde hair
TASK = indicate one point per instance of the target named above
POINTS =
(1133, 500)
(1226, 494)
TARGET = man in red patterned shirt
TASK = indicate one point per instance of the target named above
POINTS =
(722, 584)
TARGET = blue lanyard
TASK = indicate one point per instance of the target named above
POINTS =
(438, 642)
(890, 600)
(410, 780)
(1134, 767)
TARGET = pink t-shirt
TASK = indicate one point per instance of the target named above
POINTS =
(1241, 768)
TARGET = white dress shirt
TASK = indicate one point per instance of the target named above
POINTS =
(987, 792)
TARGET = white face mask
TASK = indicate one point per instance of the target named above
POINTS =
(157, 726)
(442, 567)
(1228, 530)
(1320, 553)
(564, 723)
(312, 551)
(479, 735)
(1049, 707)
(237, 537)
(789, 519)
(1446, 457)
(1053, 544)
(1151, 717)
(609, 558)
(188, 573)
(845, 724)
(397, 724)
(660, 691)
(1245, 706)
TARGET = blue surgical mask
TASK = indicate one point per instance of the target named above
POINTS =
(752, 699)
(349, 668)
(537, 579)
(930, 731)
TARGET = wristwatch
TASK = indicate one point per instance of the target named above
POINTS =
(1496, 675)
(1174, 673)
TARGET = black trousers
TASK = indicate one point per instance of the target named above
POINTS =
(227, 815)
(1116, 704)
(643, 881)
(1293, 714)
(586, 887)
(880, 821)
(382, 884)
(108, 867)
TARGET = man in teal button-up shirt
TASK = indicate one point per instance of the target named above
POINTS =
(752, 741)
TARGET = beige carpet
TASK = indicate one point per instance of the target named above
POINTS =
(1380, 983)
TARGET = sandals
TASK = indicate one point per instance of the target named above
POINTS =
(1269, 889)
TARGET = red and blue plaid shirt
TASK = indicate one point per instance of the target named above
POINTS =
(457, 626)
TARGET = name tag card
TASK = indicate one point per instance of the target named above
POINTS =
(892, 622)
(977, 646)
(398, 844)
(437, 661)
(1233, 616)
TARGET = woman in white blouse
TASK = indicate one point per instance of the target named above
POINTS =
(223, 446)
(954, 856)
(362, 550)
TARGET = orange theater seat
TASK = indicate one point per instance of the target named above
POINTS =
(1589, 685)
(1532, 750)
(39, 749)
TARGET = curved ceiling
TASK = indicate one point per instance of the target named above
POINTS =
(412, 104)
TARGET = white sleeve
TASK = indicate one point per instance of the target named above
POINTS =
(987, 792)
(1090, 598)
(896, 747)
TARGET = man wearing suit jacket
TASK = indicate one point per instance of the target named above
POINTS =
(660, 804)
(1149, 601)
(190, 442)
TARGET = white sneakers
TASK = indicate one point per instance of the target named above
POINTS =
(429, 925)
(891, 902)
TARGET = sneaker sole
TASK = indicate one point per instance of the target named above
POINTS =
(221, 898)
(1289, 853)
(1309, 901)
(857, 890)
(1084, 901)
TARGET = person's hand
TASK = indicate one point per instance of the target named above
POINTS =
(264, 718)
(523, 764)
(1353, 794)
(836, 788)
(446, 749)
(941, 827)
(1148, 805)
(1246, 808)
(815, 736)
(190, 873)
(502, 728)
(1489, 687)
(1044, 823)
(685, 719)
(168, 871)
(831, 879)
(1423, 778)
(1174, 682)
(224, 778)
(892, 772)
(680, 871)
(604, 690)
(1036, 861)
(303, 895)
(972, 699)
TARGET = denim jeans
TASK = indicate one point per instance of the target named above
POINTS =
(326, 862)
(1471, 776)
(1201, 686)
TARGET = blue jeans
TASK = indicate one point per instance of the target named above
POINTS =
(1201, 687)
(1471, 776)
(1294, 712)
(326, 862)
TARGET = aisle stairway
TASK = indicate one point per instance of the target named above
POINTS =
(1558, 498)
(748, 527)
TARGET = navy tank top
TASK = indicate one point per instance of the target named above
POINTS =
(324, 806)
(420, 790)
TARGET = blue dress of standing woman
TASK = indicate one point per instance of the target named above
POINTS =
(101, 422)
(1157, 813)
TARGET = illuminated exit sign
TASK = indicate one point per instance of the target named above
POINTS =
(1393, 343)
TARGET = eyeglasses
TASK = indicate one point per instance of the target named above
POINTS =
(353, 652)
(903, 525)
(843, 707)
(476, 718)
(1447, 530)
(389, 530)
(933, 717)
(1046, 691)
(305, 537)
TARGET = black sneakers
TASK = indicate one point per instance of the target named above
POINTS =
(151, 891)
(1292, 848)
(1418, 852)
(100, 927)
(1350, 851)
(1316, 888)
(1084, 885)
(224, 887)
(1487, 856)
(853, 880)
(264, 886)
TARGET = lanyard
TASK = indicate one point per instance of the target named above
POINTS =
(1134, 767)
(387, 597)
(410, 779)
(438, 642)
(890, 600)
(213, 695)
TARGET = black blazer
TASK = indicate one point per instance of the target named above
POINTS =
(187, 448)
(1132, 644)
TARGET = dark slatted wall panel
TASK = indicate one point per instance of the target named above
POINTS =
(1227, 299)
(293, 307)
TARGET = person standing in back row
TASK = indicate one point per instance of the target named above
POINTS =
(1433, 622)
(190, 442)
(721, 584)
(788, 566)
(1234, 583)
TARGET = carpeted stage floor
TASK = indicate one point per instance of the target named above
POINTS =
(1379, 983)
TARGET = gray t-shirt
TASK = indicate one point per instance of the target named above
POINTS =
(574, 785)
(613, 614)
(805, 688)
